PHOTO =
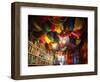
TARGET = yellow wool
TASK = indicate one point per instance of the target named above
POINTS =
(47, 39)
(58, 28)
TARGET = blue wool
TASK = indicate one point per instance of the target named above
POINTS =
(74, 57)
(71, 23)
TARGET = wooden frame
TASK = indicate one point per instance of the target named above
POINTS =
(15, 40)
